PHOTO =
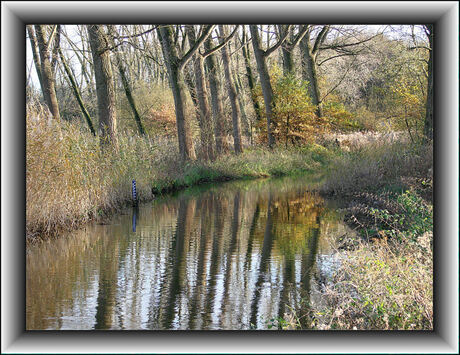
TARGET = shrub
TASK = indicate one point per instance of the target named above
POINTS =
(339, 118)
(294, 117)
(69, 179)
(380, 286)
(387, 284)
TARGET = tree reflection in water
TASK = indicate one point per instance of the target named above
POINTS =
(222, 257)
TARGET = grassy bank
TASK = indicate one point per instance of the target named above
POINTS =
(385, 277)
(71, 180)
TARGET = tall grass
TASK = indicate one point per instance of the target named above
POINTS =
(385, 279)
(372, 166)
(70, 179)
(383, 285)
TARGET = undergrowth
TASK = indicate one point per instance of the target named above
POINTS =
(385, 278)
(70, 179)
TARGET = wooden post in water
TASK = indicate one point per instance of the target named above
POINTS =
(134, 193)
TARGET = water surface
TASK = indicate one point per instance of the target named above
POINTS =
(238, 255)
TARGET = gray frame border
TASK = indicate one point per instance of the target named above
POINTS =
(444, 339)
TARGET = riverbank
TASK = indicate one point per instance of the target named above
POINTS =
(384, 278)
(70, 180)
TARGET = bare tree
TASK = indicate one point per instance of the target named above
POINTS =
(76, 91)
(267, 90)
(289, 44)
(175, 66)
(35, 56)
(309, 64)
(216, 100)
(204, 114)
(105, 87)
(125, 82)
(249, 75)
(46, 72)
(236, 120)
(428, 128)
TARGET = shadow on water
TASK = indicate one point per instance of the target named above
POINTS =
(234, 256)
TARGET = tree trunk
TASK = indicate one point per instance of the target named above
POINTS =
(190, 83)
(36, 58)
(232, 95)
(176, 80)
(310, 67)
(264, 81)
(428, 129)
(288, 58)
(46, 72)
(205, 120)
(130, 98)
(245, 119)
(250, 77)
(216, 101)
(77, 93)
(288, 61)
(126, 85)
(309, 73)
(105, 88)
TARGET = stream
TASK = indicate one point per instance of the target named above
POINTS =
(229, 256)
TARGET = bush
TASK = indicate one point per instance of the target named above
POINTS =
(339, 119)
(69, 179)
(387, 284)
(294, 117)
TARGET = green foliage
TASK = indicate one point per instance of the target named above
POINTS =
(386, 284)
(412, 220)
(339, 118)
(294, 116)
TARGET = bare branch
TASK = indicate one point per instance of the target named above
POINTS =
(339, 82)
(269, 51)
(320, 38)
(137, 34)
(420, 47)
(300, 35)
(215, 49)
(53, 32)
(339, 46)
(206, 32)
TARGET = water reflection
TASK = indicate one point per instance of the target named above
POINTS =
(135, 217)
(221, 257)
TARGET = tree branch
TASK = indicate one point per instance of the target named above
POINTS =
(420, 47)
(339, 82)
(206, 32)
(48, 44)
(137, 34)
(215, 49)
(339, 46)
(320, 38)
(335, 56)
(300, 35)
(269, 51)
